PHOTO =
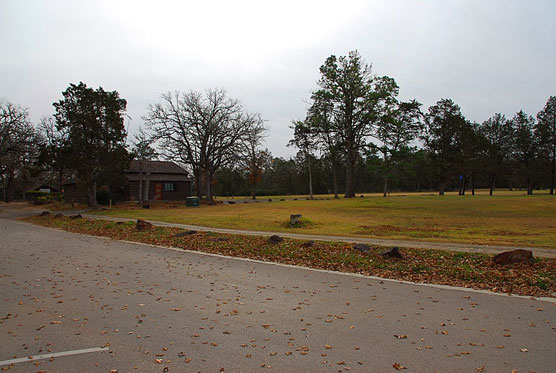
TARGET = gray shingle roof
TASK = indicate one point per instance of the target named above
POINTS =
(156, 167)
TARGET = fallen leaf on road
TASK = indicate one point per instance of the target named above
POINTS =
(398, 366)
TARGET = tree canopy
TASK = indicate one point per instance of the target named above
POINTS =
(92, 135)
(206, 132)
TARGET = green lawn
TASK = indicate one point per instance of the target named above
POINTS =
(504, 219)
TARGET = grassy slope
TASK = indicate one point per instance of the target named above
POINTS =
(502, 219)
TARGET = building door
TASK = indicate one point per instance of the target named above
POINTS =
(158, 191)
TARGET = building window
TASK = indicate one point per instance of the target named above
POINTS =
(168, 187)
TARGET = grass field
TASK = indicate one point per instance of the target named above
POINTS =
(504, 219)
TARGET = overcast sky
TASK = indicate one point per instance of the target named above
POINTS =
(488, 56)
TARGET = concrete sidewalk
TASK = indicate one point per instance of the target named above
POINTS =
(449, 246)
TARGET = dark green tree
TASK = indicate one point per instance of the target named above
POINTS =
(92, 135)
(320, 119)
(545, 132)
(401, 126)
(442, 137)
(525, 147)
(498, 133)
(357, 101)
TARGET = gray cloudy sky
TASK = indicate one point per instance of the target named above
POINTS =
(488, 56)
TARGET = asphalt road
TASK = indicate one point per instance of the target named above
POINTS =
(155, 309)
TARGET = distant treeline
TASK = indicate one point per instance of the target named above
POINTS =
(357, 137)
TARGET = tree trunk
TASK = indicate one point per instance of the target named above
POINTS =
(552, 179)
(199, 183)
(492, 181)
(208, 181)
(253, 193)
(385, 194)
(335, 179)
(147, 187)
(473, 183)
(310, 177)
(350, 175)
(8, 189)
(140, 186)
(441, 188)
(463, 185)
(92, 194)
(529, 186)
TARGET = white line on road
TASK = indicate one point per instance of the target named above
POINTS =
(57, 354)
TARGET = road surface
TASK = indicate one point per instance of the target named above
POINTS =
(142, 308)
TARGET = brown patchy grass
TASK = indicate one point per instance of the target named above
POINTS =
(505, 219)
(419, 265)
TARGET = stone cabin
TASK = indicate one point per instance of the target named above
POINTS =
(167, 182)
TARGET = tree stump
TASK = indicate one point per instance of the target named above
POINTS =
(294, 219)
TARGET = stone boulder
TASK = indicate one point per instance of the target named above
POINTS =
(186, 233)
(362, 248)
(275, 239)
(143, 225)
(308, 244)
(220, 239)
(514, 256)
(44, 213)
(77, 216)
(392, 253)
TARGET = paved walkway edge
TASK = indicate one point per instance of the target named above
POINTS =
(469, 248)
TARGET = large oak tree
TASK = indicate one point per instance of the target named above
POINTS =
(358, 101)
(206, 132)
(92, 135)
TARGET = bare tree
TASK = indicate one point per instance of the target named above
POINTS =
(304, 140)
(19, 143)
(203, 131)
(252, 157)
(143, 151)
